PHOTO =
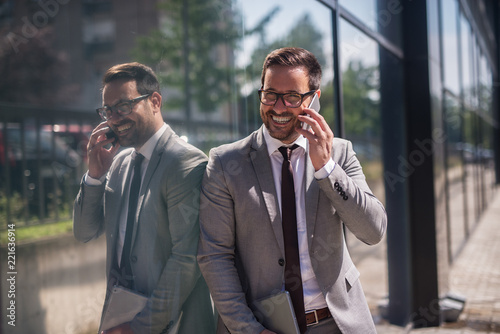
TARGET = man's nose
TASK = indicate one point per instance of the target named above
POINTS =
(114, 117)
(280, 105)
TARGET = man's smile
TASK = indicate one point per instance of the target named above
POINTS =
(123, 128)
(281, 119)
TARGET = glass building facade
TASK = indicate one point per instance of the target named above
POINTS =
(413, 84)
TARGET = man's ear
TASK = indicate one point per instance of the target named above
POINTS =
(156, 101)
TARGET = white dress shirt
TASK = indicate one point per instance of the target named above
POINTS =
(313, 297)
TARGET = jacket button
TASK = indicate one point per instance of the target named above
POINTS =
(281, 262)
(133, 258)
(342, 193)
(336, 185)
(345, 198)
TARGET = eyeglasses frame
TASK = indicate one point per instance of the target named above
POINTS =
(279, 95)
(131, 104)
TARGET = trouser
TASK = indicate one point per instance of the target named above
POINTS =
(327, 326)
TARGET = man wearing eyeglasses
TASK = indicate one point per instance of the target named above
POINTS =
(145, 199)
(272, 209)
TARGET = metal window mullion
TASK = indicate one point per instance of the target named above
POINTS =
(337, 77)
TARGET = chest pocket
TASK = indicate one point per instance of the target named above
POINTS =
(351, 276)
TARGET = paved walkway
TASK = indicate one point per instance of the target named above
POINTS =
(475, 274)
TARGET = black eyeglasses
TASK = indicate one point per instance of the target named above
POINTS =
(292, 100)
(121, 108)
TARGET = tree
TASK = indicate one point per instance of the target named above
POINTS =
(303, 35)
(361, 102)
(193, 52)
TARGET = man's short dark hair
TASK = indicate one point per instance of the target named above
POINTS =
(294, 57)
(144, 76)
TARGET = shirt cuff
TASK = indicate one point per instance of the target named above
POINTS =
(326, 170)
(90, 181)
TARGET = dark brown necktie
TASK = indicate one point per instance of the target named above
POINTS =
(135, 186)
(293, 278)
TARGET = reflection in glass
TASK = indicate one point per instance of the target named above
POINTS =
(457, 228)
(361, 97)
(362, 122)
(466, 68)
(487, 161)
(469, 153)
(365, 10)
(450, 45)
(380, 16)
(210, 55)
(485, 86)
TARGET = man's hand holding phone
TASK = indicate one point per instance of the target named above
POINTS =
(100, 157)
(318, 133)
(313, 105)
(111, 134)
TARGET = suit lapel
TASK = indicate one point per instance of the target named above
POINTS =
(152, 166)
(262, 166)
(312, 197)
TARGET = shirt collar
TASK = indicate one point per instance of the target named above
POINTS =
(147, 149)
(273, 144)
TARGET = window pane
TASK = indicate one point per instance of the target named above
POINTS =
(362, 122)
(365, 10)
(383, 16)
(485, 87)
(450, 45)
(454, 164)
(466, 68)
(469, 152)
(361, 96)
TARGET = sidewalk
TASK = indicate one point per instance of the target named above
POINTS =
(475, 274)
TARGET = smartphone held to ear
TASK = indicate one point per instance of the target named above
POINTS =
(111, 134)
(313, 105)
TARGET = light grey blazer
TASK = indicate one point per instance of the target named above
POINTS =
(165, 239)
(241, 247)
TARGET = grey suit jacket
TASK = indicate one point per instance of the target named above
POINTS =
(241, 247)
(165, 235)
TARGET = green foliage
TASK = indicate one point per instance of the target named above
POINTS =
(361, 103)
(15, 204)
(193, 52)
(303, 35)
(36, 232)
(22, 212)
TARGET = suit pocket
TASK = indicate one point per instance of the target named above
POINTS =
(351, 276)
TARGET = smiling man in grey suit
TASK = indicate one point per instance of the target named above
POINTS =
(244, 247)
(151, 228)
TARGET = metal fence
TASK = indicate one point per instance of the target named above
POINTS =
(42, 157)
